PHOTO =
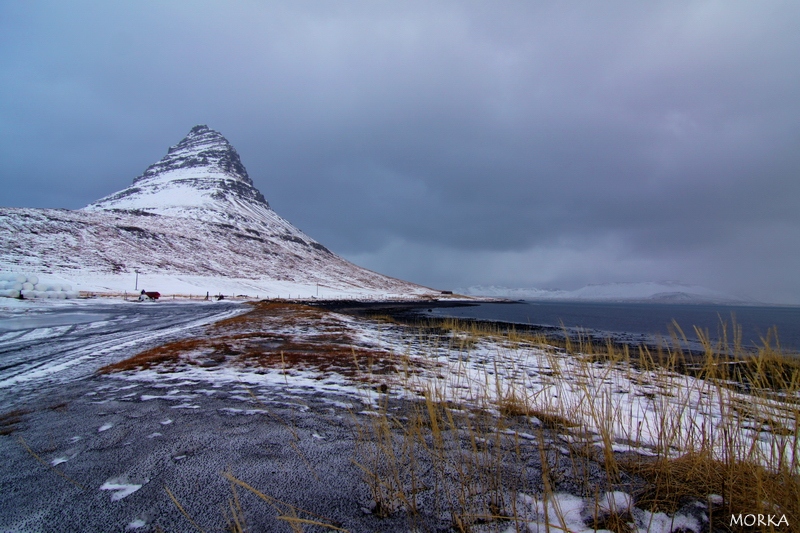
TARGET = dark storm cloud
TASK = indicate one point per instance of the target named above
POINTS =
(448, 143)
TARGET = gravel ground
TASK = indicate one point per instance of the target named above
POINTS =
(295, 449)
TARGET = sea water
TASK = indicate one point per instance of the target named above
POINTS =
(652, 320)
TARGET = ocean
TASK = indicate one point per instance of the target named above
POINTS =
(644, 321)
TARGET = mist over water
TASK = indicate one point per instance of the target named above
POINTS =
(649, 319)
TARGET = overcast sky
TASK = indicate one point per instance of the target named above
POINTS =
(526, 144)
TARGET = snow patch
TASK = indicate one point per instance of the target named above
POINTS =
(120, 487)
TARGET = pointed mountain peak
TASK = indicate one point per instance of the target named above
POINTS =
(200, 177)
(201, 148)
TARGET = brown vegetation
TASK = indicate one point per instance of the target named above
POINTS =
(10, 420)
(274, 334)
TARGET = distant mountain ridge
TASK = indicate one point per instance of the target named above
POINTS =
(664, 292)
(190, 223)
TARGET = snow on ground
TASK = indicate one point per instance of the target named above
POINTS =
(646, 410)
(255, 286)
(120, 488)
(565, 512)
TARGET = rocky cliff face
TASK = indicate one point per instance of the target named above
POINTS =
(202, 148)
(193, 221)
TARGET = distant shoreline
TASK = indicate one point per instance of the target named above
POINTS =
(359, 307)
(409, 313)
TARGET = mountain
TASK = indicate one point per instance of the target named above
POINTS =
(192, 222)
(654, 292)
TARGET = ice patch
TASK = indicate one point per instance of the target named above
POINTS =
(185, 406)
(240, 398)
(663, 523)
(628, 448)
(136, 524)
(105, 427)
(234, 411)
(615, 502)
(120, 487)
(561, 511)
(48, 321)
(146, 397)
(337, 403)
(520, 434)
(58, 460)
(565, 512)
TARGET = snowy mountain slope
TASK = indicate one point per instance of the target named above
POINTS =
(192, 222)
(664, 291)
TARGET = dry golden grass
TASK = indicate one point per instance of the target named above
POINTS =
(264, 312)
(750, 478)
(747, 488)
(167, 354)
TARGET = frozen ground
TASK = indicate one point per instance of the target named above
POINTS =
(277, 400)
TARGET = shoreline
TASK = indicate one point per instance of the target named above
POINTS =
(409, 313)
(597, 338)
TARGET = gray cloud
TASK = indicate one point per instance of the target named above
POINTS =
(446, 143)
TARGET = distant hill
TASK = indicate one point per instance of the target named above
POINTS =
(665, 292)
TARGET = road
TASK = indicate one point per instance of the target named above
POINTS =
(44, 346)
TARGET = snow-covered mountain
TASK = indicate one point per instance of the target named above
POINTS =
(192, 222)
(663, 292)
(202, 178)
